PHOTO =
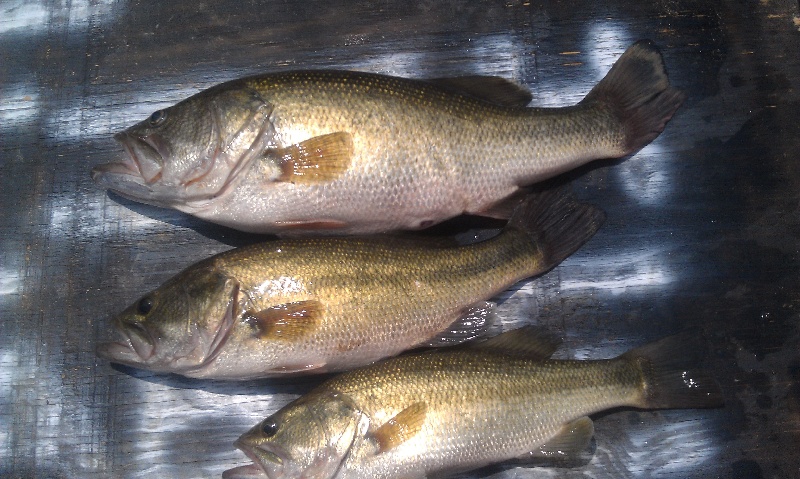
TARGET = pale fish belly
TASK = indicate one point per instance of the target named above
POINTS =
(380, 196)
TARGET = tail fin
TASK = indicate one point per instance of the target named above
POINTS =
(638, 92)
(557, 223)
(671, 377)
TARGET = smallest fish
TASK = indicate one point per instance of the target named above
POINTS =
(434, 413)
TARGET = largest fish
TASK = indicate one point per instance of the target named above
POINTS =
(349, 152)
(421, 415)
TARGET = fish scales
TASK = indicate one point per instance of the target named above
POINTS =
(380, 297)
(426, 414)
(311, 152)
(484, 407)
(329, 304)
(482, 151)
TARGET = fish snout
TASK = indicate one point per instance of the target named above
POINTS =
(134, 348)
(118, 352)
(267, 461)
(127, 170)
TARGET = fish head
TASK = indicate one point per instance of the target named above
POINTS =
(192, 152)
(180, 327)
(308, 438)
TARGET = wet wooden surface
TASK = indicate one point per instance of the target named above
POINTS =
(702, 229)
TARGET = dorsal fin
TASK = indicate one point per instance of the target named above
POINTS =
(493, 89)
(528, 342)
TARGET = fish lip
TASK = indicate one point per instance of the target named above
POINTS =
(156, 143)
(125, 175)
(130, 167)
(266, 458)
(134, 348)
(139, 147)
(118, 352)
(131, 159)
(245, 472)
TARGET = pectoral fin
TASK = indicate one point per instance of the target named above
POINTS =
(570, 441)
(316, 367)
(316, 160)
(289, 321)
(311, 225)
(402, 427)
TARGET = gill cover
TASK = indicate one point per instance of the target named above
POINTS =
(192, 151)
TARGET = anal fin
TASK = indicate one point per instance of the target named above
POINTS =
(299, 368)
(573, 438)
(475, 321)
(504, 209)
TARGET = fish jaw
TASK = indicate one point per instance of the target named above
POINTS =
(148, 153)
(136, 176)
(245, 472)
(268, 462)
(136, 346)
(188, 155)
(120, 352)
(272, 462)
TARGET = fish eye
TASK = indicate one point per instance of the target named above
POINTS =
(157, 118)
(145, 305)
(269, 428)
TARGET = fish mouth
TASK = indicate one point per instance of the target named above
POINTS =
(267, 462)
(140, 168)
(135, 348)
(245, 472)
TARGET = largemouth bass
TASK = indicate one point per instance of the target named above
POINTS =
(350, 153)
(320, 305)
(416, 416)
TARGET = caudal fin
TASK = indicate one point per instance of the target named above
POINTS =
(557, 223)
(637, 91)
(672, 379)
